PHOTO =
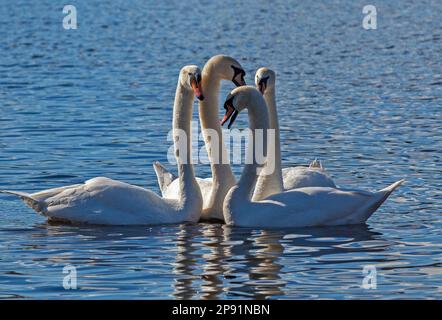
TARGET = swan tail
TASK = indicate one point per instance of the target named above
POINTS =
(164, 177)
(392, 187)
(316, 164)
(377, 200)
(38, 205)
(384, 194)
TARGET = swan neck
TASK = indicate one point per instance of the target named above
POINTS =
(271, 183)
(222, 175)
(258, 122)
(181, 125)
(270, 99)
(211, 129)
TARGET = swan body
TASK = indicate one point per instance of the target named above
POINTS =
(287, 178)
(105, 201)
(216, 69)
(307, 207)
(302, 207)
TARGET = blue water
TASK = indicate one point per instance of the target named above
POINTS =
(98, 101)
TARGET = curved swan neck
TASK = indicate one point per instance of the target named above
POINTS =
(258, 120)
(269, 97)
(182, 116)
(208, 112)
(222, 175)
(273, 182)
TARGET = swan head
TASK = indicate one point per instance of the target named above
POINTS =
(265, 78)
(239, 99)
(228, 69)
(190, 78)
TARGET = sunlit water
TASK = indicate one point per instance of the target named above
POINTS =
(98, 101)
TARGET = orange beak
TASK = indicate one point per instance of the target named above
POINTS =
(229, 112)
(197, 90)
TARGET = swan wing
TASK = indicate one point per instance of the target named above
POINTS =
(300, 177)
(45, 194)
(164, 176)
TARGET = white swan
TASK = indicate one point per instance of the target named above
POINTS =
(303, 207)
(287, 178)
(217, 68)
(108, 202)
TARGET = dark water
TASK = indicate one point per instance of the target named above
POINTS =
(97, 101)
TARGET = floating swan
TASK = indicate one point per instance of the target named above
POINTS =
(217, 68)
(287, 178)
(303, 207)
(108, 202)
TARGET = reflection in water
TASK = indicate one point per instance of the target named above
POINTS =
(258, 267)
(213, 267)
(264, 249)
(213, 261)
(210, 261)
(263, 263)
(185, 262)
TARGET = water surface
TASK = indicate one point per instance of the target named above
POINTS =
(76, 104)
